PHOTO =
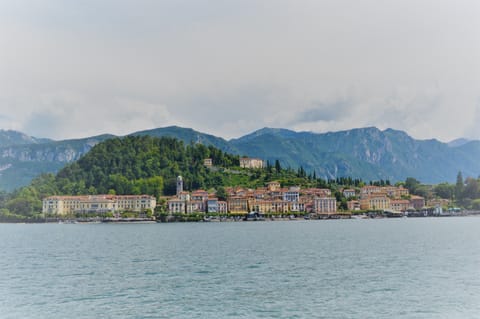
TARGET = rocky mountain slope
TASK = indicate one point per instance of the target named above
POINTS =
(21, 162)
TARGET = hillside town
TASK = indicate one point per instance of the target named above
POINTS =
(272, 199)
(275, 199)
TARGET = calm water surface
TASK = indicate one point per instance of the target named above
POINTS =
(391, 268)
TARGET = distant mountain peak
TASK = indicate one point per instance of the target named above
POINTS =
(12, 137)
(280, 132)
(272, 130)
(459, 142)
(391, 130)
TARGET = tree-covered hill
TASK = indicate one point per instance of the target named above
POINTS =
(188, 135)
(139, 164)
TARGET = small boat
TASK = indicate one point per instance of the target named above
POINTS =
(254, 216)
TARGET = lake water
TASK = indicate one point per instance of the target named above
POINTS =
(389, 268)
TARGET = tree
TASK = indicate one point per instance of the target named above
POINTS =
(459, 187)
(278, 167)
(25, 206)
(444, 190)
(471, 188)
(269, 167)
(343, 204)
(221, 193)
(476, 204)
(411, 184)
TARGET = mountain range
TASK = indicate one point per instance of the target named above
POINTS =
(367, 153)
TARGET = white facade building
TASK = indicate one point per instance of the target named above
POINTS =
(325, 205)
(292, 195)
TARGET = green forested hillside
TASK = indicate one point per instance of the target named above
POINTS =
(143, 164)
(188, 135)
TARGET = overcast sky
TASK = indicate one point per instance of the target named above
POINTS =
(72, 68)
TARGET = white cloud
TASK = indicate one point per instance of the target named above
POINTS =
(229, 67)
(64, 114)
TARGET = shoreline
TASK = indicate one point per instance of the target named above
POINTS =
(217, 219)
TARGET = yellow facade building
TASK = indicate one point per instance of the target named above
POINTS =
(375, 203)
(66, 205)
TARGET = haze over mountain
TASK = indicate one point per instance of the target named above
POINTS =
(367, 153)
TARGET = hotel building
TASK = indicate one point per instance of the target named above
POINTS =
(65, 205)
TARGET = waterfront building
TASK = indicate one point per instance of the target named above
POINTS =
(375, 202)
(279, 206)
(64, 205)
(195, 206)
(297, 207)
(200, 202)
(400, 205)
(212, 205)
(222, 207)
(325, 205)
(184, 204)
(176, 206)
(270, 206)
(59, 205)
(237, 204)
(418, 202)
